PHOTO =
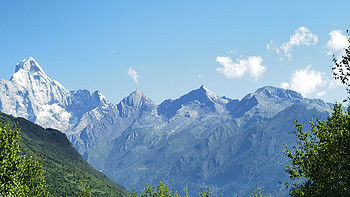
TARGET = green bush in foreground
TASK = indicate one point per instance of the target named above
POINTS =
(19, 175)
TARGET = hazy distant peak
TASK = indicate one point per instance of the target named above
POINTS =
(203, 94)
(136, 99)
(266, 101)
(203, 88)
(200, 97)
(138, 92)
(274, 92)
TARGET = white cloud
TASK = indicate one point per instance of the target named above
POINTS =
(333, 84)
(301, 36)
(307, 82)
(320, 94)
(285, 85)
(112, 51)
(337, 42)
(251, 65)
(133, 74)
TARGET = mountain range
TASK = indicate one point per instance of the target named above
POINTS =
(198, 140)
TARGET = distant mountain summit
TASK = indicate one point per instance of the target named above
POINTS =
(198, 139)
(134, 103)
(260, 102)
(278, 93)
(202, 97)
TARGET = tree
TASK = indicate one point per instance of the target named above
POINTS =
(160, 190)
(341, 67)
(320, 163)
(19, 175)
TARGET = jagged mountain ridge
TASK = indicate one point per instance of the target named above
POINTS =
(202, 96)
(197, 139)
(197, 145)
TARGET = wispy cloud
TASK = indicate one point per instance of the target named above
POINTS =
(200, 76)
(310, 82)
(301, 36)
(337, 43)
(251, 65)
(233, 51)
(133, 74)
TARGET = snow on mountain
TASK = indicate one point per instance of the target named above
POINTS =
(198, 139)
(31, 94)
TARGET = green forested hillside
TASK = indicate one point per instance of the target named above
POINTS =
(65, 171)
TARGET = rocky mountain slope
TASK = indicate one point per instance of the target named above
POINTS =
(65, 171)
(199, 139)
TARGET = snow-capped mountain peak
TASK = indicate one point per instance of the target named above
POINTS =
(29, 65)
(29, 73)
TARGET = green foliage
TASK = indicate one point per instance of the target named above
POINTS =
(86, 192)
(320, 163)
(257, 193)
(160, 190)
(19, 175)
(205, 192)
(341, 68)
(66, 173)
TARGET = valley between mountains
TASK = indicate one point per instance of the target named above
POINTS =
(198, 140)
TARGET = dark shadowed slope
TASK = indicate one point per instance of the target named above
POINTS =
(65, 171)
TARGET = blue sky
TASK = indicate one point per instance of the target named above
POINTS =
(168, 48)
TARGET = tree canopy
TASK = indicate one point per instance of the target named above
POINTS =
(19, 175)
(341, 67)
(320, 163)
